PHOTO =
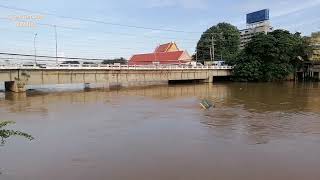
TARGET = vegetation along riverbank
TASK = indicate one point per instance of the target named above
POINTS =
(272, 56)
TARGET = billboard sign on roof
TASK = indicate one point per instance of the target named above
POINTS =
(258, 16)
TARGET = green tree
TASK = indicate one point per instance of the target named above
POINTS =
(227, 41)
(247, 68)
(270, 57)
(5, 133)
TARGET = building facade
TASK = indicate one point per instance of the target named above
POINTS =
(311, 68)
(247, 34)
(314, 41)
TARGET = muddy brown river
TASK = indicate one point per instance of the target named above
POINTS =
(255, 132)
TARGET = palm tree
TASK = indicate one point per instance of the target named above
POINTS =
(5, 133)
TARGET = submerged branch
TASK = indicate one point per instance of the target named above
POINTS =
(5, 133)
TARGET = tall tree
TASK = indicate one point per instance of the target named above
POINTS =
(270, 57)
(226, 38)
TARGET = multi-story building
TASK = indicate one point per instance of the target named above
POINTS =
(315, 44)
(311, 69)
(247, 34)
(257, 22)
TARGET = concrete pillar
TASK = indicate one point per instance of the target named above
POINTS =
(86, 86)
(16, 96)
(209, 80)
(15, 86)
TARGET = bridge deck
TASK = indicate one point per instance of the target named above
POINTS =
(109, 67)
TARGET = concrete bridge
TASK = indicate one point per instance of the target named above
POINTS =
(16, 77)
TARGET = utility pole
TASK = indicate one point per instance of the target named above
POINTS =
(196, 55)
(35, 49)
(212, 51)
(55, 30)
(223, 39)
(155, 54)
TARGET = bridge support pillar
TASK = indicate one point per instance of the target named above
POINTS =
(209, 80)
(15, 86)
(86, 86)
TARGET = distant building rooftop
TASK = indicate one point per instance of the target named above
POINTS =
(168, 53)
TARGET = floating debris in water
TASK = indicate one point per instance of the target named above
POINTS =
(206, 104)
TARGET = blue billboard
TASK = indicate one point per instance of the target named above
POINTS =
(258, 16)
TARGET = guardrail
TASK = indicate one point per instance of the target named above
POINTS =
(110, 67)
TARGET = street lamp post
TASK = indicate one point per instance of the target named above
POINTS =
(56, 37)
(212, 50)
(35, 49)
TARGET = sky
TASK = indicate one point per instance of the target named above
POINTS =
(120, 28)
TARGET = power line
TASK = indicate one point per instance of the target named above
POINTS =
(100, 22)
(87, 53)
(79, 44)
(63, 37)
(65, 50)
(108, 32)
(95, 21)
(53, 57)
(83, 48)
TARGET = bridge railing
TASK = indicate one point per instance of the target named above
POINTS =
(110, 67)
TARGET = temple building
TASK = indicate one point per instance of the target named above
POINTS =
(164, 54)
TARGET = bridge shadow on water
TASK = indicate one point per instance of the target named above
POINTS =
(258, 97)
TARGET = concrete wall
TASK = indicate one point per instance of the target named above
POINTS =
(45, 76)
(109, 77)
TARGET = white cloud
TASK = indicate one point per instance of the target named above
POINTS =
(283, 13)
(279, 8)
(187, 4)
(290, 7)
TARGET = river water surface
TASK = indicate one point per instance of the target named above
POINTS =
(255, 132)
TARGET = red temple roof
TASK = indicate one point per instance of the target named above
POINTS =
(166, 47)
(162, 48)
(164, 54)
(168, 56)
